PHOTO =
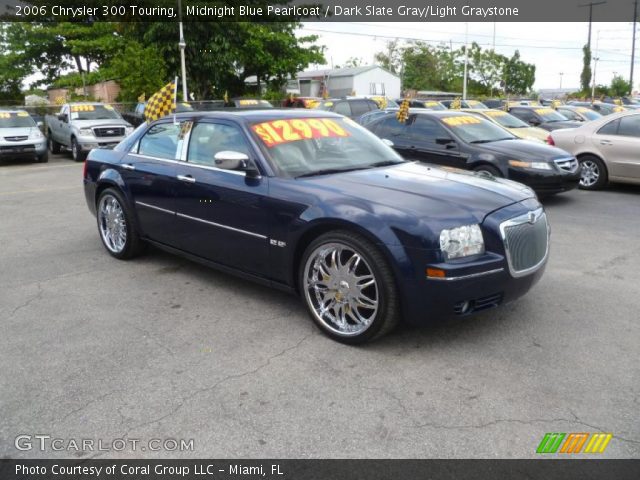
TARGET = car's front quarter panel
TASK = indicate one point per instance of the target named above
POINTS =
(101, 170)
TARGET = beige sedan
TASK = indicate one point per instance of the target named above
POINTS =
(608, 149)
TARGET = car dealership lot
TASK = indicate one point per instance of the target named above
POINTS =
(159, 347)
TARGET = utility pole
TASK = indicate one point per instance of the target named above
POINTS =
(590, 5)
(561, 74)
(182, 46)
(633, 45)
(466, 61)
(595, 66)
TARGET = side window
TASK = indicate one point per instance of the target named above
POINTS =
(610, 128)
(359, 107)
(65, 110)
(570, 114)
(390, 128)
(630, 126)
(160, 141)
(427, 130)
(140, 108)
(524, 115)
(342, 108)
(207, 139)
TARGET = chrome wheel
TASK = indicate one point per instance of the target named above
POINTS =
(341, 289)
(589, 173)
(112, 223)
(74, 149)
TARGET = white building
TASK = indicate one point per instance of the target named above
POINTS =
(340, 82)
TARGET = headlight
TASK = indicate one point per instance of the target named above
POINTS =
(461, 241)
(128, 130)
(86, 132)
(534, 165)
(36, 134)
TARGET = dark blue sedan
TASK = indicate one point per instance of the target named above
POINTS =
(312, 203)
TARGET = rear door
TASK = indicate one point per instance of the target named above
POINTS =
(149, 170)
(389, 128)
(222, 214)
(619, 144)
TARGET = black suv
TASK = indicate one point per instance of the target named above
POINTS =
(543, 117)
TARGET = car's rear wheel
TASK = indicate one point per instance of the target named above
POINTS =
(488, 169)
(116, 225)
(349, 287)
(54, 147)
(593, 173)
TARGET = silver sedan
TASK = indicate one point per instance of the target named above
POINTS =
(608, 149)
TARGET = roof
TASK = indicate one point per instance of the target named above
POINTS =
(256, 115)
(339, 72)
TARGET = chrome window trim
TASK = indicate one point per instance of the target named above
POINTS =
(226, 227)
(519, 220)
(183, 162)
(142, 204)
(467, 277)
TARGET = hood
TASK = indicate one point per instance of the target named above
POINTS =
(446, 194)
(107, 122)
(18, 131)
(557, 125)
(529, 133)
(524, 150)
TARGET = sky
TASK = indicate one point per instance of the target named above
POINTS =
(554, 48)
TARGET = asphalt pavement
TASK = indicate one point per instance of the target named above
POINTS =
(92, 348)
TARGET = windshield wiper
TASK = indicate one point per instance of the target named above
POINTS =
(386, 163)
(326, 171)
(492, 140)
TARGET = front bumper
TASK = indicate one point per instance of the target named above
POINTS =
(470, 286)
(89, 143)
(546, 182)
(26, 149)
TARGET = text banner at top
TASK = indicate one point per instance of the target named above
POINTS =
(320, 11)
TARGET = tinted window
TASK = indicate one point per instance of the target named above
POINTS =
(630, 126)
(390, 127)
(569, 114)
(526, 115)
(342, 108)
(358, 107)
(610, 128)
(207, 139)
(426, 129)
(160, 141)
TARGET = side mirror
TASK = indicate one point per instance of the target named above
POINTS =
(230, 160)
(63, 117)
(444, 141)
(387, 142)
(40, 124)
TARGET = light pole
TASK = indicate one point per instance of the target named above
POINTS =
(561, 74)
(182, 46)
(595, 66)
(466, 61)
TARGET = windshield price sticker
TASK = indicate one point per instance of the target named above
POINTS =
(248, 102)
(82, 108)
(5, 115)
(582, 110)
(22, 114)
(544, 111)
(459, 121)
(431, 104)
(278, 132)
(496, 113)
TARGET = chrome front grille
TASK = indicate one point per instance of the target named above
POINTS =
(101, 132)
(21, 138)
(568, 164)
(526, 242)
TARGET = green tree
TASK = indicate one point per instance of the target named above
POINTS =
(619, 87)
(391, 58)
(519, 76)
(585, 76)
(486, 68)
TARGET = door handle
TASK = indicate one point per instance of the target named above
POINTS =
(186, 178)
(128, 166)
(605, 142)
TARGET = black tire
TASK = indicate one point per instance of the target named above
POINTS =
(386, 314)
(593, 173)
(77, 154)
(133, 245)
(489, 169)
(54, 147)
(44, 158)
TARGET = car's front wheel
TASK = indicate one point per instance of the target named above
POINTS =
(117, 227)
(593, 173)
(76, 152)
(349, 287)
(54, 147)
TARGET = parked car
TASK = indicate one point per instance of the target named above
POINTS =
(578, 114)
(371, 116)
(136, 117)
(20, 137)
(600, 107)
(422, 103)
(310, 202)
(301, 102)
(543, 117)
(475, 104)
(81, 127)
(513, 124)
(464, 140)
(608, 149)
(353, 108)
(252, 103)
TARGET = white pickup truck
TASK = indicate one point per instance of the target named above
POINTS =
(81, 127)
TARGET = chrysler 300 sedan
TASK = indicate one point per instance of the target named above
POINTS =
(312, 203)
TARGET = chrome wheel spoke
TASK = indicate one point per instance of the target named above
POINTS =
(113, 224)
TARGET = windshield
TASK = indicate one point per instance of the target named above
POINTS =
(588, 113)
(550, 115)
(93, 112)
(324, 105)
(476, 104)
(16, 120)
(505, 119)
(313, 146)
(473, 129)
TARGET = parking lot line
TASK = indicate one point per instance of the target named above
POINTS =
(40, 190)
